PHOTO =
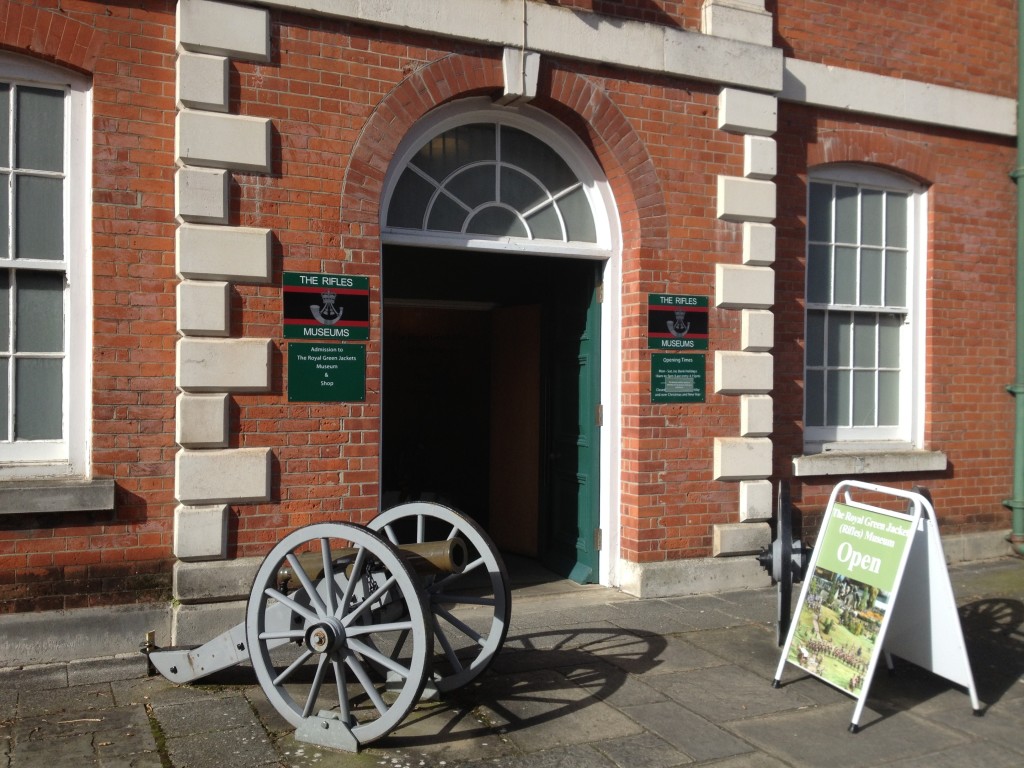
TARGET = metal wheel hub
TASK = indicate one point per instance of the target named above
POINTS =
(326, 636)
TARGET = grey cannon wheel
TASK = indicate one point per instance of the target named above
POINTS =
(354, 623)
(470, 610)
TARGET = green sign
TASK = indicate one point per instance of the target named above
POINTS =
(864, 545)
(677, 322)
(320, 307)
(326, 373)
(677, 378)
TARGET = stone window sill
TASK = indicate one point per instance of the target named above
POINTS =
(73, 494)
(852, 461)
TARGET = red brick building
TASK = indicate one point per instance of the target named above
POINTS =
(598, 273)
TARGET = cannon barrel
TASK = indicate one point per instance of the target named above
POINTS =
(426, 558)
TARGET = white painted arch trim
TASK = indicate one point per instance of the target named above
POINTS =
(608, 249)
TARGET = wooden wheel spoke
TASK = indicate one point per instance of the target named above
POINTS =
(465, 629)
(307, 585)
(372, 654)
(314, 689)
(294, 606)
(364, 680)
(281, 678)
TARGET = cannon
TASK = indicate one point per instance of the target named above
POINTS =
(786, 562)
(347, 627)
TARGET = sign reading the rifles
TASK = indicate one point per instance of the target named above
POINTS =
(677, 322)
(320, 307)
(850, 592)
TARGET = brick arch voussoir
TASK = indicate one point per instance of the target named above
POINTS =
(881, 148)
(452, 77)
(54, 37)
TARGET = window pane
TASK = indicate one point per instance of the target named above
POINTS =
(40, 135)
(409, 201)
(814, 396)
(40, 311)
(864, 341)
(870, 277)
(838, 407)
(456, 148)
(5, 399)
(896, 220)
(845, 288)
(819, 213)
(39, 228)
(446, 215)
(819, 274)
(579, 218)
(888, 398)
(5, 215)
(545, 225)
(871, 217)
(863, 398)
(815, 352)
(519, 190)
(496, 221)
(5, 310)
(474, 186)
(38, 399)
(536, 158)
(896, 278)
(889, 341)
(839, 332)
(5, 124)
(846, 214)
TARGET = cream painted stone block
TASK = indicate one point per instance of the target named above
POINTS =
(238, 254)
(718, 59)
(741, 111)
(738, 20)
(197, 624)
(521, 70)
(740, 287)
(734, 539)
(228, 29)
(201, 533)
(203, 308)
(212, 140)
(742, 458)
(758, 244)
(201, 195)
(230, 476)
(757, 414)
(202, 82)
(224, 365)
(760, 157)
(755, 500)
(742, 199)
(741, 373)
(206, 582)
(757, 330)
(202, 421)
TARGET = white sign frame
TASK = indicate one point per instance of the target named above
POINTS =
(921, 624)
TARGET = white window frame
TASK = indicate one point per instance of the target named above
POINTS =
(68, 456)
(908, 434)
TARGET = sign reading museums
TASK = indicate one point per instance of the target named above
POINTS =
(320, 307)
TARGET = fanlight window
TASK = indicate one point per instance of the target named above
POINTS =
(491, 180)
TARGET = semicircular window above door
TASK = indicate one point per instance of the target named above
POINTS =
(493, 181)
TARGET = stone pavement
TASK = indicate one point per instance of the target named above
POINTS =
(588, 677)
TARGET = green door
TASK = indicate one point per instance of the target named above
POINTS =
(572, 400)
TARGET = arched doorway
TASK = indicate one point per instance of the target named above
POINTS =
(498, 233)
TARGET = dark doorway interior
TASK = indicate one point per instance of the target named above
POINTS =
(468, 364)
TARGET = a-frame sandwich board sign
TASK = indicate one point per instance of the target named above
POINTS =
(877, 583)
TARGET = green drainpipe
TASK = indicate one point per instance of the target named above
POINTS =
(1016, 504)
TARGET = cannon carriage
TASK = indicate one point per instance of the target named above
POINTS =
(347, 627)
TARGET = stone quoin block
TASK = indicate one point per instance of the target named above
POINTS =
(742, 458)
(201, 533)
(231, 476)
(740, 373)
(202, 420)
(760, 157)
(237, 254)
(224, 365)
(201, 195)
(756, 415)
(738, 20)
(741, 111)
(755, 500)
(734, 539)
(758, 244)
(202, 82)
(740, 287)
(742, 199)
(757, 330)
(203, 308)
(213, 140)
(227, 29)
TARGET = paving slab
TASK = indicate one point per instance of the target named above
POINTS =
(644, 749)
(691, 734)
